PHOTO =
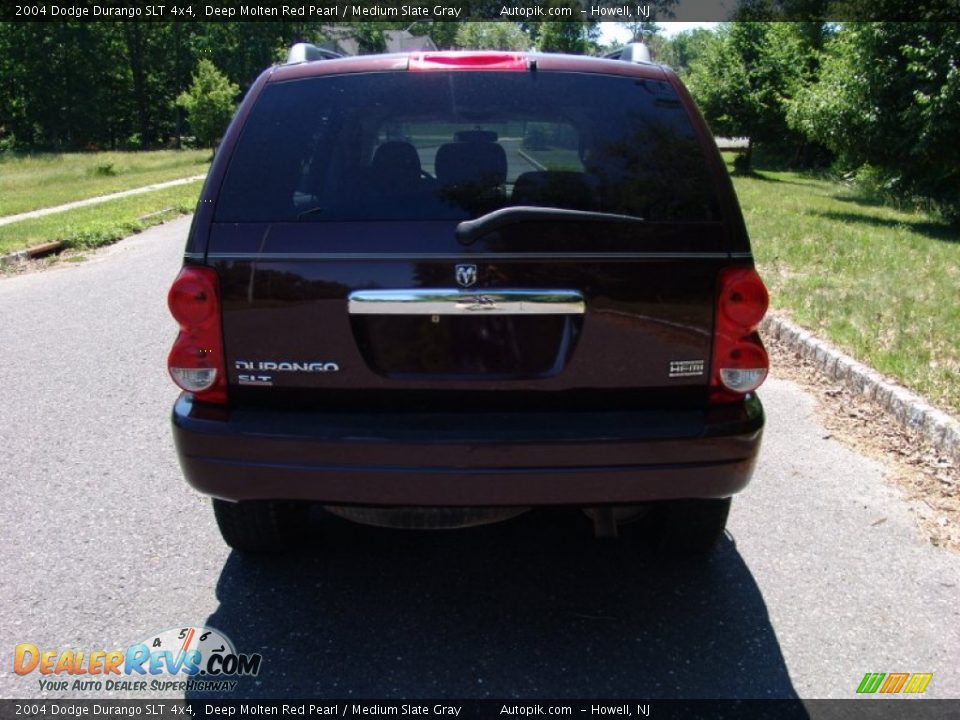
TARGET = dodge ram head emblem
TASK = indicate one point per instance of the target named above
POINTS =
(466, 275)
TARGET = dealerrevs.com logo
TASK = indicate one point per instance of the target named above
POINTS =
(191, 658)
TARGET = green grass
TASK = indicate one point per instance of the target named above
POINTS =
(883, 284)
(101, 224)
(31, 182)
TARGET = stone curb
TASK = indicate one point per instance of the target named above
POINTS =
(911, 411)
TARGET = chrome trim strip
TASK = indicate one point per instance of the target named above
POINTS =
(193, 256)
(450, 301)
(475, 257)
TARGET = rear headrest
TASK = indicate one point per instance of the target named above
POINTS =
(473, 163)
(396, 162)
(570, 190)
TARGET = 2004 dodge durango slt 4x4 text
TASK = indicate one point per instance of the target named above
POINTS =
(435, 289)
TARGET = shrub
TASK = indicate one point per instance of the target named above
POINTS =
(209, 103)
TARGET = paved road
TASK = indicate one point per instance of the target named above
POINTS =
(103, 544)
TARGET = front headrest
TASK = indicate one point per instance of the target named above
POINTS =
(471, 163)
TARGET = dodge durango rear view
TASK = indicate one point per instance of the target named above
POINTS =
(434, 290)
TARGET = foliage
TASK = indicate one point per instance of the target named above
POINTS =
(369, 37)
(105, 170)
(684, 48)
(209, 102)
(641, 30)
(565, 37)
(443, 34)
(93, 85)
(491, 36)
(743, 77)
(888, 96)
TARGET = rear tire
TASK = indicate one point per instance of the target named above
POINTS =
(262, 526)
(690, 527)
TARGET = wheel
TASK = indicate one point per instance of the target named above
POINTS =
(689, 527)
(262, 526)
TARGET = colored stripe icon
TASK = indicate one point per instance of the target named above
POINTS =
(892, 683)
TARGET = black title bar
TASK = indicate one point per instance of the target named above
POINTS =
(201, 709)
(331, 11)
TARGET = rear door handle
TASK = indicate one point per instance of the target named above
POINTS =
(440, 301)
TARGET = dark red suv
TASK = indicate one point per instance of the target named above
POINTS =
(436, 289)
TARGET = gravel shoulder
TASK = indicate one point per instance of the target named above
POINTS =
(914, 466)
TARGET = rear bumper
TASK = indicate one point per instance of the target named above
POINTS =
(482, 459)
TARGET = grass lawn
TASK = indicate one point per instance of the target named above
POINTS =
(31, 182)
(104, 223)
(881, 283)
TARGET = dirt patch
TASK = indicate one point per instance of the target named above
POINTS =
(64, 258)
(923, 474)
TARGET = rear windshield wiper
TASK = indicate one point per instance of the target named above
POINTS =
(470, 230)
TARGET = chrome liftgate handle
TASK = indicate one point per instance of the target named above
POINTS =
(441, 301)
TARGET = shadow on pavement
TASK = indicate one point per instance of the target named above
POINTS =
(532, 608)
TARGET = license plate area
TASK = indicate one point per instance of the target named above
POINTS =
(458, 335)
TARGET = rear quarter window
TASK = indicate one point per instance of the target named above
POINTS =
(435, 146)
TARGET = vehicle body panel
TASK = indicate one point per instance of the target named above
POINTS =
(467, 459)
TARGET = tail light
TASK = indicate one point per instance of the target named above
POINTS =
(196, 361)
(740, 363)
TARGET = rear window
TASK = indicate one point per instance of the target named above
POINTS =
(438, 145)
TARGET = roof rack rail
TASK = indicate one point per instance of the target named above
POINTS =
(305, 52)
(631, 52)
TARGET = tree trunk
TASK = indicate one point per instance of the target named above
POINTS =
(135, 52)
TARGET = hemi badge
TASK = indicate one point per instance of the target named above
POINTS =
(686, 368)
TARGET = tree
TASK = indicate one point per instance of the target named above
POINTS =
(63, 85)
(572, 36)
(561, 37)
(744, 76)
(641, 29)
(684, 48)
(443, 34)
(491, 36)
(209, 103)
(888, 97)
(370, 37)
